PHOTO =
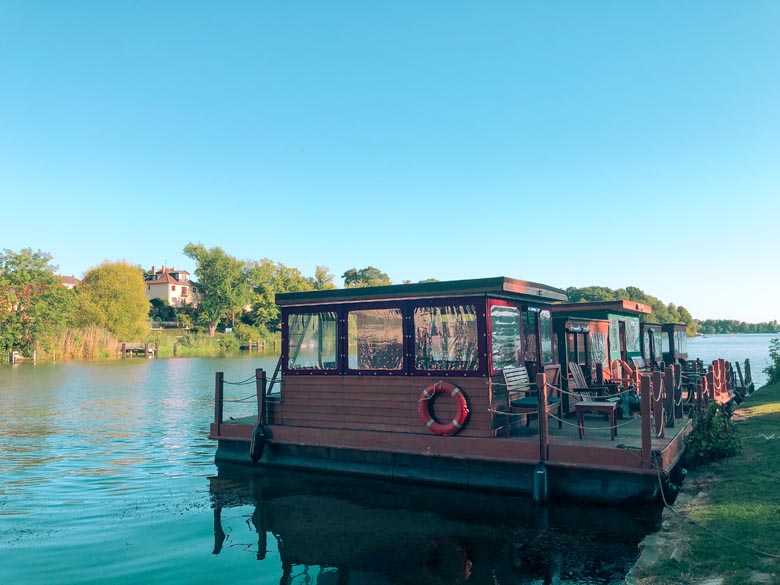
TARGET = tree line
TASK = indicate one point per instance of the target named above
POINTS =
(38, 314)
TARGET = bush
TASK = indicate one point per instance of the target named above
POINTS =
(772, 371)
(713, 437)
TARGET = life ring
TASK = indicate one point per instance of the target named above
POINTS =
(424, 407)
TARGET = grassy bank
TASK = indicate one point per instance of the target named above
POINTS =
(728, 513)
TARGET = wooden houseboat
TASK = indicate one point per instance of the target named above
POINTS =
(409, 383)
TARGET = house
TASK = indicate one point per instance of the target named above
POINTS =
(67, 281)
(170, 285)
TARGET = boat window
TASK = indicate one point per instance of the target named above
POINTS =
(598, 348)
(632, 335)
(312, 341)
(376, 339)
(446, 338)
(657, 337)
(531, 333)
(646, 344)
(680, 342)
(505, 336)
(546, 326)
(614, 338)
(665, 342)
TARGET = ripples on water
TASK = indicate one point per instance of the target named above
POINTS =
(105, 473)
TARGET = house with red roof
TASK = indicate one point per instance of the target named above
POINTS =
(172, 286)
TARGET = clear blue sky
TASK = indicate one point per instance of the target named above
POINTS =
(571, 143)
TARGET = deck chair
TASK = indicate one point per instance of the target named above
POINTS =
(522, 398)
(607, 405)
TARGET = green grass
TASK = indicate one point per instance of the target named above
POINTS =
(741, 503)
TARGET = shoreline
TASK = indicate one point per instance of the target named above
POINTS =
(710, 512)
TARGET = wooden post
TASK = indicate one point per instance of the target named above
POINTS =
(679, 410)
(146, 349)
(544, 437)
(671, 396)
(175, 348)
(156, 349)
(541, 493)
(261, 383)
(124, 349)
(646, 390)
(219, 394)
(749, 378)
(658, 404)
(599, 374)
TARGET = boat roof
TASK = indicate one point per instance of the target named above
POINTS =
(603, 307)
(501, 286)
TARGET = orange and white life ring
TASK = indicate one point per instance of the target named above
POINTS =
(424, 407)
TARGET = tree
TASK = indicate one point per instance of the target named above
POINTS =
(268, 278)
(369, 276)
(222, 286)
(112, 296)
(322, 279)
(33, 307)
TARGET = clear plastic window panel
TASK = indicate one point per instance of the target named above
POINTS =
(530, 330)
(375, 339)
(657, 337)
(680, 342)
(446, 338)
(614, 338)
(646, 345)
(312, 341)
(547, 346)
(505, 336)
(632, 335)
(665, 342)
(598, 349)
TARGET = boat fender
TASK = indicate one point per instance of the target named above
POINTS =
(258, 444)
(424, 407)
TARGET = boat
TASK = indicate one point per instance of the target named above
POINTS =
(406, 383)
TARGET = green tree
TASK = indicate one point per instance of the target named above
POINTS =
(268, 278)
(368, 276)
(33, 307)
(223, 287)
(112, 297)
(322, 279)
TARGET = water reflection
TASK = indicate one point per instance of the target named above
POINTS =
(329, 530)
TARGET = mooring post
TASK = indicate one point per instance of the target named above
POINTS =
(646, 390)
(749, 378)
(261, 384)
(124, 348)
(219, 390)
(541, 487)
(175, 348)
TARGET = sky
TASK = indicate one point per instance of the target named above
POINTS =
(599, 143)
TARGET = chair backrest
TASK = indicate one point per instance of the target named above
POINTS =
(552, 373)
(517, 381)
(578, 382)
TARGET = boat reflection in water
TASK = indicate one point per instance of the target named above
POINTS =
(331, 530)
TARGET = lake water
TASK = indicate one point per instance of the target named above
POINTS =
(106, 475)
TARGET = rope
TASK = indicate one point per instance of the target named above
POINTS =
(578, 394)
(564, 421)
(245, 399)
(242, 382)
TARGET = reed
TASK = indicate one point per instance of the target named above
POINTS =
(88, 342)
